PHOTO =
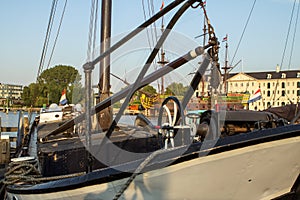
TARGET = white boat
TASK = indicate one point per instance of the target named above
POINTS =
(58, 113)
(53, 114)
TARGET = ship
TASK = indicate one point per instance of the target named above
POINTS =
(219, 154)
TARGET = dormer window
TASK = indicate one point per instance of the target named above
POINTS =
(283, 75)
(269, 76)
(298, 75)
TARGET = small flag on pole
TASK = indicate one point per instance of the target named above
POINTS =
(162, 5)
(225, 38)
(63, 99)
(255, 97)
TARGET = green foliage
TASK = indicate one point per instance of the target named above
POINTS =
(51, 83)
(149, 90)
(176, 89)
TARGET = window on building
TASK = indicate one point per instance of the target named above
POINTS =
(269, 85)
(288, 84)
(269, 76)
(264, 84)
(283, 104)
(236, 84)
(298, 93)
(283, 93)
(298, 84)
(269, 93)
(242, 84)
(269, 104)
(283, 85)
(298, 75)
(283, 75)
(252, 83)
(288, 92)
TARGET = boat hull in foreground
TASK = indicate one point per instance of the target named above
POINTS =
(261, 171)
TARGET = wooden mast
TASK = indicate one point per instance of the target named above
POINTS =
(226, 67)
(105, 116)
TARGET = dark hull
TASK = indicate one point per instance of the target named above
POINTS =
(170, 158)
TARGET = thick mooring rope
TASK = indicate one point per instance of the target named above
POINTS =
(26, 172)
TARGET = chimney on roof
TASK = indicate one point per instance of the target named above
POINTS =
(277, 68)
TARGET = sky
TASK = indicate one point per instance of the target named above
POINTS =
(23, 29)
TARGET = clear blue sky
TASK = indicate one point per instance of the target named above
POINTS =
(23, 26)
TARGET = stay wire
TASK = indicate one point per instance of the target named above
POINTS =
(91, 30)
(47, 37)
(57, 34)
(154, 23)
(294, 36)
(288, 34)
(147, 31)
(284, 50)
(238, 46)
(95, 27)
(292, 48)
(151, 26)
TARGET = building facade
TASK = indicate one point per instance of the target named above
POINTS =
(10, 91)
(277, 88)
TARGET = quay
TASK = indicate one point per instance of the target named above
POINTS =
(24, 109)
(10, 139)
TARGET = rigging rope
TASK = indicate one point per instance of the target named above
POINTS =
(95, 27)
(152, 37)
(140, 168)
(284, 50)
(57, 34)
(243, 32)
(287, 36)
(92, 29)
(294, 36)
(47, 37)
(26, 172)
(292, 49)
(147, 31)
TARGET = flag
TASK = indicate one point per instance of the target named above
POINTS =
(225, 39)
(162, 5)
(255, 97)
(63, 99)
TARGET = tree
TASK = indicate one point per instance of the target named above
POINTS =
(30, 94)
(54, 80)
(176, 89)
(26, 96)
(149, 90)
(51, 83)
